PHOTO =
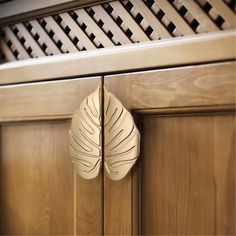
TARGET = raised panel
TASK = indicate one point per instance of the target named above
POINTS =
(40, 193)
(188, 174)
(36, 179)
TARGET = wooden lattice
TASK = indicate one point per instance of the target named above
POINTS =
(112, 24)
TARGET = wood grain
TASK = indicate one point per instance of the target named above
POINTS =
(159, 30)
(93, 27)
(202, 85)
(100, 13)
(36, 179)
(188, 175)
(89, 206)
(51, 47)
(138, 34)
(206, 24)
(23, 54)
(7, 52)
(191, 49)
(171, 13)
(29, 40)
(48, 100)
(118, 206)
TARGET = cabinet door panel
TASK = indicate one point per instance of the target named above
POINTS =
(188, 175)
(36, 179)
(40, 193)
(184, 182)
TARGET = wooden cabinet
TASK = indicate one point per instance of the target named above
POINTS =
(40, 193)
(184, 180)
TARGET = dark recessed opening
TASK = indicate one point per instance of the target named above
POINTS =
(36, 36)
(43, 23)
(15, 30)
(219, 21)
(28, 26)
(74, 15)
(22, 40)
(119, 21)
(110, 34)
(109, 9)
(128, 33)
(67, 30)
(75, 40)
(9, 43)
(128, 6)
(160, 14)
(207, 7)
(138, 18)
(15, 53)
(149, 3)
(91, 12)
(29, 50)
(194, 24)
(51, 33)
(92, 36)
(183, 10)
(171, 27)
(149, 30)
(44, 47)
(83, 27)
(100, 23)
(59, 43)
(58, 19)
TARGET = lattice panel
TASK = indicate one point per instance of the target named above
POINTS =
(113, 24)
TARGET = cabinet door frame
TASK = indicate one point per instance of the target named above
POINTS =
(53, 101)
(187, 90)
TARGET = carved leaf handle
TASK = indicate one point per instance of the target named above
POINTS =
(85, 143)
(121, 137)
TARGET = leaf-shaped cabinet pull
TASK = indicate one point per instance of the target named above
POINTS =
(120, 143)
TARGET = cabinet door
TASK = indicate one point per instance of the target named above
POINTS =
(184, 182)
(40, 194)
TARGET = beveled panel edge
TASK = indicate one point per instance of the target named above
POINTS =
(211, 47)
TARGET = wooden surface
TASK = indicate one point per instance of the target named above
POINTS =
(40, 193)
(11, 12)
(174, 198)
(188, 175)
(191, 49)
(118, 206)
(89, 206)
(202, 85)
(47, 100)
(36, 179)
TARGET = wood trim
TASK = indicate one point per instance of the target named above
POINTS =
(157, 54)
(22, 10)
(44, 101)
(190, 86)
